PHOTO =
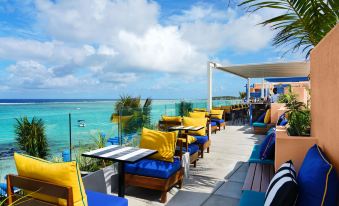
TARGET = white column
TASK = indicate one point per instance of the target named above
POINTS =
(263, 88)
(209, 91)
(248, 89)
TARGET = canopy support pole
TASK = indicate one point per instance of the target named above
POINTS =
(209, 92)
(263, 89)
(248, 99)
(248, 90)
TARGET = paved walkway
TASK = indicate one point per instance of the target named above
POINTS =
(211, 182)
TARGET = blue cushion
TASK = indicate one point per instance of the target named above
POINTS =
(154, 168)
(259, 124)
(267, 146)
(283, 122)
(261, 118)
(317, 179)
(255, 156)
(201, 139)
(252, 198)
(97, 198)
(192, 148)
(213, 124)
(218, 121)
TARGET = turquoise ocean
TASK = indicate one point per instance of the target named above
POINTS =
(55, 114)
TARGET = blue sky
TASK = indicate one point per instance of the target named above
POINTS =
(108, 48)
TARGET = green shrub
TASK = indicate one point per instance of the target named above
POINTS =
(183, 108)
(31, 137)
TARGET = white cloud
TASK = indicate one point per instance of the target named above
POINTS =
(95, 21)
(33, 75)
(160, 49)
(238, 34)
(114, 41)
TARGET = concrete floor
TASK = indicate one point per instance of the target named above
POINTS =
(213, 181)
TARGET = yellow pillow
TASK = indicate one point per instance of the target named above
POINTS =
(267, 116)
(163, 142)
(199, 109)
(197, 114)
(196, 122)
(172, 118)
(218, 112)
(63, 174)
(191, 139)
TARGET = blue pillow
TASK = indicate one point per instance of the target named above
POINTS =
(283, 122)
(317, 179)
(261, 117)
(281, 118)
(267, 146)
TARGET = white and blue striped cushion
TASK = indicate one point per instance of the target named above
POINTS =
(283, 188)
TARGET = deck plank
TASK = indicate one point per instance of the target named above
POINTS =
(257, 178)
(249, 177)
(265, 177)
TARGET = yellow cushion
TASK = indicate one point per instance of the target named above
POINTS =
(196, 122)
(199, 109)
(172, 118)
(63, 174)
(267, 116)
(218, 112)
(191, 139)
(163, 142)
(197, 114)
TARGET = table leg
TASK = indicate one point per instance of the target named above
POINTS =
(121, 171)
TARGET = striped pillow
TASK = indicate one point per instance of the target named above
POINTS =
(283, 188)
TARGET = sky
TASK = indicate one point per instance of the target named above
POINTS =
(107, 48)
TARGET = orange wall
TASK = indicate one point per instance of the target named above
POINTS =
(325, 95)
(291, 148)
(275, 111)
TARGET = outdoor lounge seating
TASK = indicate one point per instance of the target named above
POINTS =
(262, 125)
(190, 147)
(202, 136)
(161, 171)
(57, 191)
(57, 180)
(169, 121)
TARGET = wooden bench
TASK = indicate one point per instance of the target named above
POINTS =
(258, 177)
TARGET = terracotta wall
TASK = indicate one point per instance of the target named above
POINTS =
(325, 95)
(291, 148)
(275, 111)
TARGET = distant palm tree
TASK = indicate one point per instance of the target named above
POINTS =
(302, 24)
(130, 114)
(31, 137)
(242, 95)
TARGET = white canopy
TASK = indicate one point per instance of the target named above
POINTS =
(248, 71)
(289, 69)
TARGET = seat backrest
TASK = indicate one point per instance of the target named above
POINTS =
(36, 186)
(164, 125)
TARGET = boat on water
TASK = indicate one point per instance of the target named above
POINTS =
(81, 123)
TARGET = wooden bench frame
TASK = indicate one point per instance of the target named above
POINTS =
(154, 183)
(263, 130)
(258, 177)
(36, 186)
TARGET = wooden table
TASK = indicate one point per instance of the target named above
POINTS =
(186, 129)
(120, 154)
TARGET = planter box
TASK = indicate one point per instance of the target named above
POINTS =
(291, 148)
(104, 180)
